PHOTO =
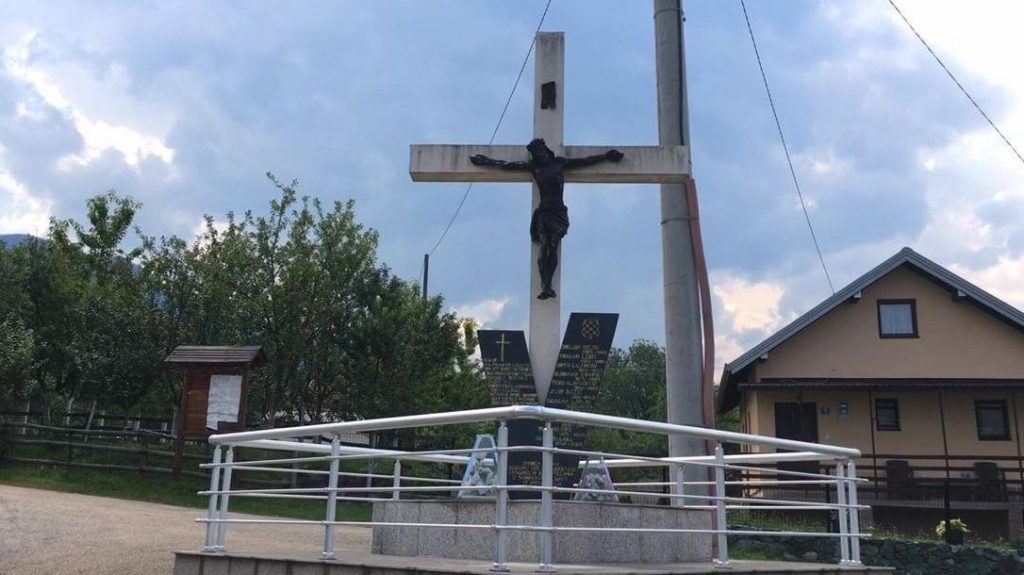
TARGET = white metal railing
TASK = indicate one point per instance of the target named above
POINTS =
(689, 487)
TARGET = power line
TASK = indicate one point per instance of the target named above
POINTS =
(494, 133)
(955, 81)
(785, 147)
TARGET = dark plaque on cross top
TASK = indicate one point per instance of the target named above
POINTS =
(574, 386)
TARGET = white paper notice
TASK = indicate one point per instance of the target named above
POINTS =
(225, 394)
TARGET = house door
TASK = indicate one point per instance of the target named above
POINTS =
(797, 421)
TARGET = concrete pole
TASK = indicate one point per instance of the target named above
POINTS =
(683, 345)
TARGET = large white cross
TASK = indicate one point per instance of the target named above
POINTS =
(640, 165)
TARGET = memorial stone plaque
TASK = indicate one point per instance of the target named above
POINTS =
(574, 386)
(576, 382)
(507, 367)
(509, 376)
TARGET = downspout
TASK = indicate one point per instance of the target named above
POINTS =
(707, 318)
(945, 445)
(871, 426)
(1016, 429)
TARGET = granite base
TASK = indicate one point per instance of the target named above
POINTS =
(569, 547)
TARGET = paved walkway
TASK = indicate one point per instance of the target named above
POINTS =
(48, 532)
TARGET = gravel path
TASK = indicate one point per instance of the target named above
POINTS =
(48, 532)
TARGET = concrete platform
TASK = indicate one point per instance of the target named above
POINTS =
(190, 563)
(569, 547)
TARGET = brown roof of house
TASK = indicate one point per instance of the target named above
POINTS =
(186, 354)
(885, 384)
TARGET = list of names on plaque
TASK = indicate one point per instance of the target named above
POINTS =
(506, 363)
(574, 386)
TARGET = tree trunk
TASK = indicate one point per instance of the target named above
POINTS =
(67, 411)
(88, 421)
(24, 418)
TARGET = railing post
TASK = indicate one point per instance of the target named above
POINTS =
(547, 500)
(842, 511)
(222, 527)
(396, 483)
(721, 526)
(501, 501)
(332, 501)
(209, 545)
(851, 482)
(679, 487)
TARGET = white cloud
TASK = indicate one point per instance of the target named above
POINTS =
(957, 228)
(727, 348)
(484, 312)
(821, 163)
(1005, 278)
(199, 232)
(747, 311)
(98, 135)
(24, 213)
(749, 306)
(984, 40)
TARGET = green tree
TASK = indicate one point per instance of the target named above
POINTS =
(16, 355)
(116, 350)
(414, 358)
(633, 386)
(42, 288)
(344, 338)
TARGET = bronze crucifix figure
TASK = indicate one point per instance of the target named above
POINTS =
(550, 221)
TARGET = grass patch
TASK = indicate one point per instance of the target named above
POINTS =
(752, 555)
(777, 521)
(156, 488)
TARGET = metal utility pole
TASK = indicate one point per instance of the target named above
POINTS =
(683, 344)
(426, 273)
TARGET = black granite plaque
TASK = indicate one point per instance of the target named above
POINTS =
(509, 376)
(507, 368)
(574, 386)
(576, 383)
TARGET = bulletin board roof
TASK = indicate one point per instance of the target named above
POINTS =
(217, 354)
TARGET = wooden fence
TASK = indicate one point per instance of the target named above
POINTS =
(100, 420)
(132, 450)
(139, 450)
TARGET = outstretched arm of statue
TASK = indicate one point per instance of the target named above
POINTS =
(482, 160)
(609, 156)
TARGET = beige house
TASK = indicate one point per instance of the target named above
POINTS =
(913, 365)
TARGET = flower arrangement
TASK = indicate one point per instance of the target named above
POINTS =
(955, 524)
(597, 478)
(481, 474)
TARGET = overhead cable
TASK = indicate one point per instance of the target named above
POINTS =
(955, 81)
(497, 125)
(785, 148)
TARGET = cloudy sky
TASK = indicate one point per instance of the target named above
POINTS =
(186, 105)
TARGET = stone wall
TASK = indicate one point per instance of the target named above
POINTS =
(908, 557)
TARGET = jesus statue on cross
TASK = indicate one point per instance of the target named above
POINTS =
(550, 220)
(549, 164)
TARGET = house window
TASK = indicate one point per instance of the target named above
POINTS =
(897, 318)
(993, 423)
(887, 415)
